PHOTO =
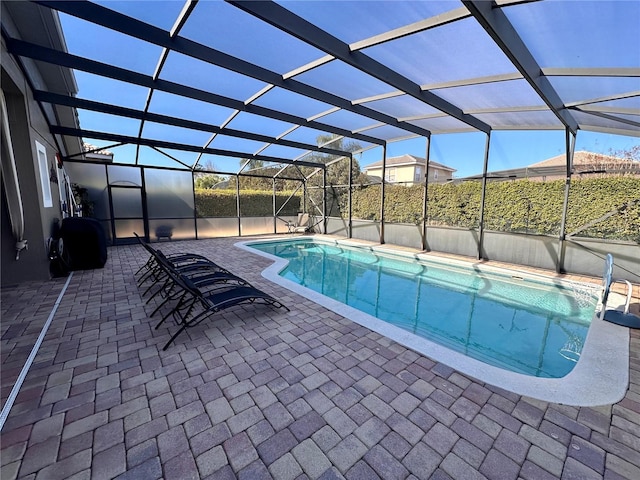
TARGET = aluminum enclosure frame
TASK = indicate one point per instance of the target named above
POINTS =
(569, 115)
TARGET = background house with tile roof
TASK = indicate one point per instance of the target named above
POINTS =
(409, 169)
(554, 168)
(91, 152)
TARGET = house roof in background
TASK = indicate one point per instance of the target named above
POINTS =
(407, 159)
(555, 167)
(583, 158)
(97, 150)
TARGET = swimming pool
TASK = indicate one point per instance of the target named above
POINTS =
(516, 324)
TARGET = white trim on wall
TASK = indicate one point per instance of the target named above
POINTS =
(43, 167)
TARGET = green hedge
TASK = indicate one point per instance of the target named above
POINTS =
(253, 203)
(511, 206)
(591, 199)
(514, 206)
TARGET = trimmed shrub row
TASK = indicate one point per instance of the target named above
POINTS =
(253, 203)
(514, 206)
(521, 206)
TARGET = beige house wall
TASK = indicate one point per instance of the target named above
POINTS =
(406, 173)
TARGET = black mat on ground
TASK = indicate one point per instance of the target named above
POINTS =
(620, 318)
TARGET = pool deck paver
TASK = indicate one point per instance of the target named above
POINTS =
(256, 392)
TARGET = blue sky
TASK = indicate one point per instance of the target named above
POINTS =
(464, 152)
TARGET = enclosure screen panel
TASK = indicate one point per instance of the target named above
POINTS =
(169, 193)
(93, 178)
(129, 176)
(126, 202)
(217, 227)
(127, 228)
(173, 229)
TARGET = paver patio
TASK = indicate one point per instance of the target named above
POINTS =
(256, 392)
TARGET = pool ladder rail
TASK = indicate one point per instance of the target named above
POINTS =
(618, 317)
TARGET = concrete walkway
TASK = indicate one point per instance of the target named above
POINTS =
(259, 393)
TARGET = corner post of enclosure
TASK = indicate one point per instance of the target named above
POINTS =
(324, 199)
(305, 198)
(350, 223)
(570, 142)
(238, 204)
(195, 206)
(145, 209)
(424, 196)
(382, 184)
(111, 214)
(483, 195)
(275, 220)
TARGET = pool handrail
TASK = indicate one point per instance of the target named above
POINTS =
(623, 318)
(607, 280)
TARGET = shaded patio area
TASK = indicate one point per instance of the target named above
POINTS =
(258, 393)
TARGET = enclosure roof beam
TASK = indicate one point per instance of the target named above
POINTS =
(177, 26)
(524, 108)
(59, 99)
(417, 27)
(287, 21)
(608, 117)
(608, 98)
(502, 77)
(183, 17)
(500, 29)
(36, 52)
(130, 26)
(592, 72)
(111, 137)
(607, 109)
(169, 156)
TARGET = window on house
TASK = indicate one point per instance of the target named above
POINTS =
(390, 175)
(47, 201)
(417, 177)
(435, 174)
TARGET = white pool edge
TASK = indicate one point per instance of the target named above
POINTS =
(600, 377)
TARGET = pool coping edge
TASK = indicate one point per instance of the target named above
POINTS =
(600, 377)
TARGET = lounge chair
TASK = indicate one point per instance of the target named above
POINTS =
(206, 277)
(193, 281)
(204, 273)
(184, 262)
(301, 224)
(191, 297)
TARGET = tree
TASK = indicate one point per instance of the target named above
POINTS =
(204, 179)
(208, 180)
(251, 164)
(337, 173)
(338, 170)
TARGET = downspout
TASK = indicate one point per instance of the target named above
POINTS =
(425, 195)
(11, 183)
(382, 183)
(482, 198)
(570, 143)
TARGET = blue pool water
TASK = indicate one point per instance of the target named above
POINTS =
(521, 325)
